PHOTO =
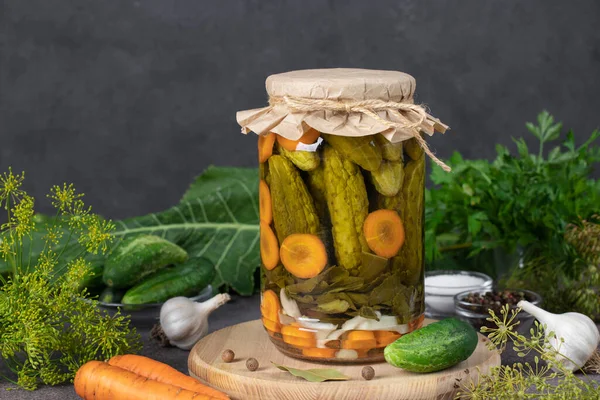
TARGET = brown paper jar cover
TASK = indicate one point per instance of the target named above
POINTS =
(343, 85)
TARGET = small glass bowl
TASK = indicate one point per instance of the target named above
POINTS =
(476, 314)
(146, 315)
(439, 299)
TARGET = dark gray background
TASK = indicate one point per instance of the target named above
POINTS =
(130, 100)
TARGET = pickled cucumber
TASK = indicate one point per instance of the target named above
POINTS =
(413, 149)
(395, 203)
(293, 207)
(362, 150)
(348, 207)
(305, 160)
(388, 178)
(410, 258)
(315, 181)
(390, 151)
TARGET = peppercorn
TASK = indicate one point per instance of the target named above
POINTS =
(252, 364)
(368, 373)
(228, 356)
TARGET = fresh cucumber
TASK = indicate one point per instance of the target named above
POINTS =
(434, 347)
(186, 279)
(111, 295)
(139, 256)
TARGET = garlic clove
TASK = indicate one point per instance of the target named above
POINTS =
(579, 334)
(335, 335)
(290, 307)
(175, 315)
(184, 321)
(312, 323)
(285, 319)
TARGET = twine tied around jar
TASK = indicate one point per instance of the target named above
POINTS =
(370, 108)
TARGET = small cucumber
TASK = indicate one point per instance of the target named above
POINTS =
(434, 347)
(111, 295)
(139, 256)
(186, 279)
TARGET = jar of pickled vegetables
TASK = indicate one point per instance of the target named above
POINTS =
(342, 170)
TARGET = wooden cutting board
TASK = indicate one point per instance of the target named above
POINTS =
(249, 339)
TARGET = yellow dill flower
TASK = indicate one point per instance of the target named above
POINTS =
(53, 235)
(64, 197)
(7, 247)
(47, 261)
(76, 270)
(10, 187)
(97, 235)
(505, 329)
(78, 214)
(22, 218)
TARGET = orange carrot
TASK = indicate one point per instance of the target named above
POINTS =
(265, 146)
(97, 380)
(269, 309)
(264, 202)
(309, 137)
(386, 337)
(416, 323)
(269, 250)
(164, 373)
(298, 337)
(357, 340)
(384, 232)
(316, 352)
(303, 255)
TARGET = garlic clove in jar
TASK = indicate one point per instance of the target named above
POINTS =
(290, 307)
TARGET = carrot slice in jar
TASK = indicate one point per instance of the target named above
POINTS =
(269, 250)
(265, 146)
(315, 352)
(359, 340)
(386, 337)
(303, 255)
(264, 202)
(309, 137)
(416, 323)
(384, 232)
(269, 308)
(298, 337)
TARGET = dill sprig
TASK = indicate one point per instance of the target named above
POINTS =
(546, 378)
(48, 328)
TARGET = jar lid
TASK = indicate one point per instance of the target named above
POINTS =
(343, 84)
(343, 102)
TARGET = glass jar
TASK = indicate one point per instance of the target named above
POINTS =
(341, 216)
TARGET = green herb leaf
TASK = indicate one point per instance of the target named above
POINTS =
(335, 306)
(315, 374)
(217, 220)
(493, 216)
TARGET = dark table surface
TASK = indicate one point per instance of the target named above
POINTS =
(238, 310)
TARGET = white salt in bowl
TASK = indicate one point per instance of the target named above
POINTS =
(441, 287)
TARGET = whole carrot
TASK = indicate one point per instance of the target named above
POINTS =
(164, 373)
(97, 380)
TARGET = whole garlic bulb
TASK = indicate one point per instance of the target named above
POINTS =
(579, 333)
(185, 322)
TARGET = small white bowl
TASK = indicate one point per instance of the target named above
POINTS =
(439, 298)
